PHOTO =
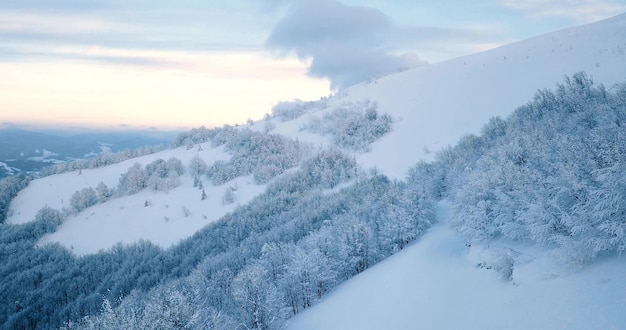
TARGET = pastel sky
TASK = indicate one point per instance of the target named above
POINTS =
(186, 63)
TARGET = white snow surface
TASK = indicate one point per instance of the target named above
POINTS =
(435, 284)
(170, 217)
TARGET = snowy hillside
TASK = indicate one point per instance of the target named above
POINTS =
(246, 226)
(435, 105)
(169, 217)
(436, 284)
(441, 283)
(431, 107)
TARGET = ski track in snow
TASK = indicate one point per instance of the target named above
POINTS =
(433, 284)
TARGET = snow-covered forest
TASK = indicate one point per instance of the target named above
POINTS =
(551, 173)
(297, 223)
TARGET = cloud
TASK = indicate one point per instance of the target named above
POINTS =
(19, 52)
(346, 44)
(578, 10)
(178, 25)
(59, 24)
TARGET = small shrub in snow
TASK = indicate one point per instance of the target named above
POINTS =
(186, 211)
(103, 191)
(499, 259)
(229, 196)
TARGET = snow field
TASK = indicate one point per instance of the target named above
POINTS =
(169, 217)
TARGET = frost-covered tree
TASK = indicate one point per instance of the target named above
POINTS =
(157, 168)
(134, 180)
(170, 309)
(258, 297)
(220, 172)
(359, 238)
(607, 202)
(103, 192)
(175, 167)
(83, 199)
(306, 278)
(219, 288)
(197, 166)
(50, 217)
(164, 175)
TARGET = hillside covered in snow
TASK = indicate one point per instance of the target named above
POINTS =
(247, 226)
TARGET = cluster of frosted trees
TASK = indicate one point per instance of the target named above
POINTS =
(158, 175)
(354, 126)
(99, 161)
(553, 172)
(263, 155)
(293, 109)
(9, 188)
(281, 253)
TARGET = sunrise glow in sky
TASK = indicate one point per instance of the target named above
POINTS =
(183, 64)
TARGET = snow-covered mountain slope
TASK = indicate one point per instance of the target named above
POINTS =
(439, 282)
(169, 217)
(432, 107)
(435, 284)
(435, 105)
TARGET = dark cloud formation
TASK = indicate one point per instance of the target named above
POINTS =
(345, 44)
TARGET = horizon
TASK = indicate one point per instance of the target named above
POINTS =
(63, 129)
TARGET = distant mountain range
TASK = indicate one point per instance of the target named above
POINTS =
(28, 150)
